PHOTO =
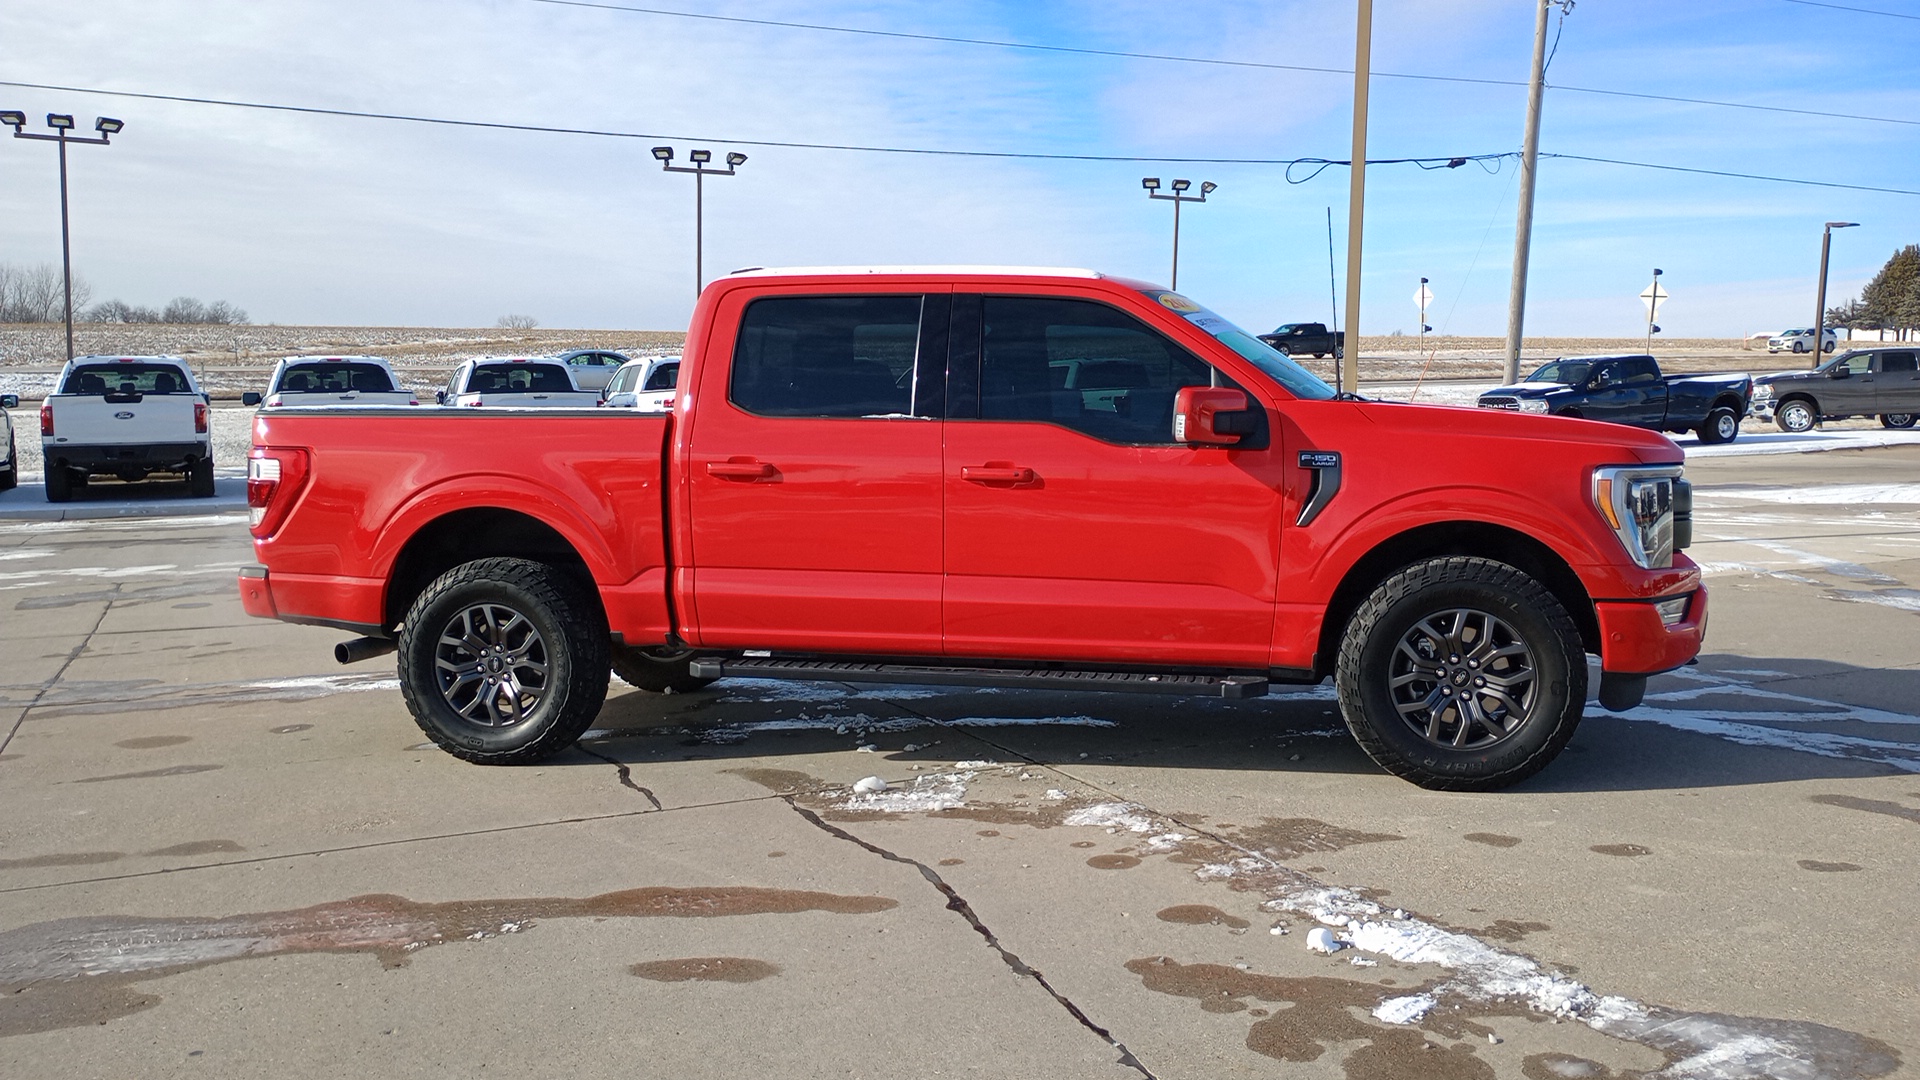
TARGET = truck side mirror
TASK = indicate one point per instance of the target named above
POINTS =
(9, 401)
(1839, 371)
(250, 398)
(1211, 416)
(440, 396)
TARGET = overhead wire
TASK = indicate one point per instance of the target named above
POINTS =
(1860, 10)
(1174, 58)
(1319, 164)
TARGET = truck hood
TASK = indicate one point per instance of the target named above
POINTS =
(1784, 376)
(1521, 430)
(1527, 390)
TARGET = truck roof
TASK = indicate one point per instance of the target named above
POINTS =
(918, 271)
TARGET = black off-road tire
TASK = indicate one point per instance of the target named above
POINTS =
(660, 671)
(1721, 426)
(60, 483)
(570, 654)
(1897, 420)
(11, 478)
(1525, 612)
(200, 479)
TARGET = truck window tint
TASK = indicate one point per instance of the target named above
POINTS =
(1639, 369)
(662, 377)
(335, 378)
(1856, 363)
(125, 379)
(829, 356)
(1899, 361)
(519, 379)
(1084, 366)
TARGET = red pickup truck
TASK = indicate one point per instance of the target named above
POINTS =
(974, 476)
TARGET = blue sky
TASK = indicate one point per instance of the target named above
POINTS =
(311, 219)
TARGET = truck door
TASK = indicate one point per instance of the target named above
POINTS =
(1896, 388)
(1626, 392)
(1849, 386)
(812, 469)
(1075, 526)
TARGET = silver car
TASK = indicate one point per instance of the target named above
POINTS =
(592, 368)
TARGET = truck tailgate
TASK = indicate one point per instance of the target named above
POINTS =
(92, 420)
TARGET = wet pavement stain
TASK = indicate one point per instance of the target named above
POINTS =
(198, 847)
(288, 729)
(952, 862)
(77, 858)
(1510, 930)
(1290, 838)
(1625, 851)
(1319, 1015)
(781, 781)
(1492, 839)
(150, 774)
(1827, 867)
(72, 972)
(1564, 1067)
(732, 969)
(1871, 806)
(1200, 915)
(1082, 844)
(153, 742)
(1114, 862)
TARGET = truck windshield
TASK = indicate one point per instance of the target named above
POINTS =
(335, 377)
(1564, 372)
(119, 378)
(1297, 380)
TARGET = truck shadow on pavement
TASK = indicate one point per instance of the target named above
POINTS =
(1731, 720)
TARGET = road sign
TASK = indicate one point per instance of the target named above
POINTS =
(1423, 297)
(1653, 296)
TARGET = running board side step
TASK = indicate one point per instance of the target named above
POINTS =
(1112, 682)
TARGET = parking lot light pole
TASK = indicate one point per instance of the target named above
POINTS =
(700, 159)
(1820, 297)
(1180, 187)
(61, 124)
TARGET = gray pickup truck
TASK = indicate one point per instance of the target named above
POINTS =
(1631, 390)
(1882, 382)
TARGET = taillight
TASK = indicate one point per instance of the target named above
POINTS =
(46, 419)
(199, 418)
(275, 475)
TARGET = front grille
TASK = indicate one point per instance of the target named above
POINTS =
(1500, 402)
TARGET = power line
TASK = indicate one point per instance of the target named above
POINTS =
(1861, 10)
(1319, 164)
(1173, 58)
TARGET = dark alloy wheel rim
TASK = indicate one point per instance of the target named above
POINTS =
(1463, 679)
(491, 665)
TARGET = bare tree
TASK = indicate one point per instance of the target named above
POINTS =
(516, 322)
(37, 294)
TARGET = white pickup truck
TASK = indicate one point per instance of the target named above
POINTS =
(516, 382)
(332, 380)
(125, 416)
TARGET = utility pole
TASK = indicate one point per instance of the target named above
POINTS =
(1820, 299)
(1529, 158)
(1349, 367)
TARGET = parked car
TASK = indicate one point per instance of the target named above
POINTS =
(1630, 390)
(871, 475)
(10, 475)
(525, 382)
(1801, 340)
(1301, 338)
(646, 383)
(1882, 382)
(592, 367)
(332, 380)
(125, 416)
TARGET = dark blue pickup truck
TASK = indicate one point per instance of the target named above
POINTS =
(1631, 390)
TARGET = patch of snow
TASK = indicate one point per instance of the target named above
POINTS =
(984, 763)
(1321, 940)
(1053, 793)
(1112, 815)
(1404, 1010)
(868, 785)
(935, 791)
(1031, 721)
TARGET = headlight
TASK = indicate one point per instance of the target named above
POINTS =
(1763, 392)
(1638, 504)
(1532, 405)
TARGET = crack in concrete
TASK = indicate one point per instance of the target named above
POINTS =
(64, 665)
(959, 906)
(626, 774)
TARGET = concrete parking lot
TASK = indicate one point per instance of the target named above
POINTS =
(222, 855)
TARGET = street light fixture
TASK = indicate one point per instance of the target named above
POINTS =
(61, 125)
(701, 169)
(1820, 300)
(1180, 187)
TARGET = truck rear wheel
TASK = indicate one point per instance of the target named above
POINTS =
(1462, 674)
(661, 671)
(200, 479)
(1897, 420)
(504, 661)
(1722, 426)
(59, 483)
(11, 478)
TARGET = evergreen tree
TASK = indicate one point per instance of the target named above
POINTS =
(1891, 301)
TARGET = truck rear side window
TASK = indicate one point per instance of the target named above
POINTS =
(1082, 365)
(125, 379)
(335, 378)
(832, 356)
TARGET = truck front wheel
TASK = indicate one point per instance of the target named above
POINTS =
(1462, 674)
(504, 661)
(1796, 415)
(662, 671)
